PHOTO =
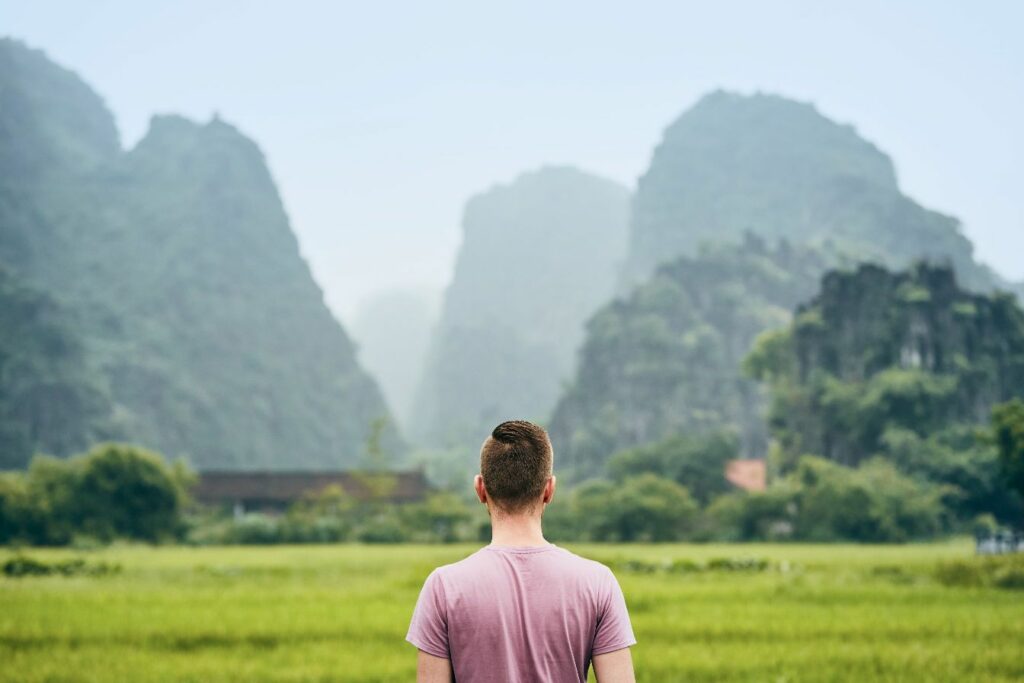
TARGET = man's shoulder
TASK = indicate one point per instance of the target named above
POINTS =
(585, 564)
(471, 565)
(468, 564)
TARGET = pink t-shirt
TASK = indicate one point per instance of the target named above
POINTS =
(521, 614)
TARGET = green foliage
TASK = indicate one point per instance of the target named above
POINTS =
(52, 484)
(873, 503)
(441, 517)
(770, 355)
(824, 501)
(697, 463)
(113, 491)
(22, 565)
(1006, 571)
(375, 476)
(645, 507)
(967, 468)
(333, 516)
(846, 420)
(885, 370)
(1008, 434)
(665, 360)
(123, 491)
(20, 515)
(742, 516)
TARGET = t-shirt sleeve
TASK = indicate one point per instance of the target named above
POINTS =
(614, 630)
(428, 629)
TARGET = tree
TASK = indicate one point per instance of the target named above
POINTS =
(53, 487)
(375, 477)
(128, 491)
(642, 508)
(824, 501)
(436, 518)
(962, 459)
(1008, 434)
(19, 518)
(878, 359)
(114, 490)
(696, 462)
(873, 503)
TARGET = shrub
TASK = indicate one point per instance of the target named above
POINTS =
(114, 490)
(824, 501)
(1004, 571)
(22, 565)
(130, 492)
(642, 508)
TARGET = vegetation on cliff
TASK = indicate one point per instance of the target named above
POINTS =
(665, 360)
(901, 365)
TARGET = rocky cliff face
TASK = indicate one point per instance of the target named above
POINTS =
(538, 256)
(52, 399)
(877, 351)
(177, 262)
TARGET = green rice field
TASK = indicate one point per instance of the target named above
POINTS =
(339, 613)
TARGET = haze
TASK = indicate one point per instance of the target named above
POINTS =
(380, 121)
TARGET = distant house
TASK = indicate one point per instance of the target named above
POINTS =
(749, 475)
(270, 491)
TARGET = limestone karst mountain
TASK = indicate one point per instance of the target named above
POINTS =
(748, 200)
(780, 169)
(178, 269)
(538, 256)
(392, 329)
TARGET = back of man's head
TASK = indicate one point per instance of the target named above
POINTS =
(515, 463)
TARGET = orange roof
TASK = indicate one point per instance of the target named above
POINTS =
(749, 475)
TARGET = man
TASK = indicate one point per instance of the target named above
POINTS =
(520, 610)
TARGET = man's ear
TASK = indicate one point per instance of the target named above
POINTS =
(481, 491)
(549, 490)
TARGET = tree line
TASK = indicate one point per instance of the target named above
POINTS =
(670, 491)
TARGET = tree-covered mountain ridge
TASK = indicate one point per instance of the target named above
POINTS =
(178, 271)
(738, 188)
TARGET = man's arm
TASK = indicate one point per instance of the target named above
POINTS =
(613, 667)
(431, 669)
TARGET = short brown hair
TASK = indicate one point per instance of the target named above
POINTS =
(515, 463)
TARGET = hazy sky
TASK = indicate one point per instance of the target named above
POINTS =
(379, 119)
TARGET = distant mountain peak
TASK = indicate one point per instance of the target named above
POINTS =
(538, 255)
(778, 167)
(47, 106)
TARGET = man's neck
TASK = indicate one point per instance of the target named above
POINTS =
(517, 531)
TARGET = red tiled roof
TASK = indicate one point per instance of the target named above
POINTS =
(749, 475)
